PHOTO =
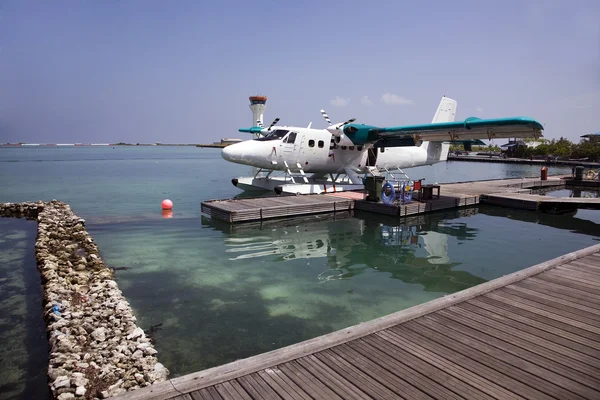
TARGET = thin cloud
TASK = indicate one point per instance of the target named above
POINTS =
(479, 109)
(394, 99)
(366, 101)
(340, 101)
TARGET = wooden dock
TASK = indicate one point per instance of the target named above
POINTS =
(261, 208)
(533, 334)
(537, 202)
(453, 195)
(496, 159)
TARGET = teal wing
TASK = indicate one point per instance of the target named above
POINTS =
(469, 129)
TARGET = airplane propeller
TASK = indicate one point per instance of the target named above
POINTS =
(326, 117)
(335, 129)
(275, 121)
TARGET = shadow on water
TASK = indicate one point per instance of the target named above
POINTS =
(569, 222)
(205, 326)
(24, 352)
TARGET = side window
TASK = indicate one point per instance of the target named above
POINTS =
(291, 138)
(321, 144)
(383, 149)
(351, 148)
(359, 148)
(343, 147)
(311, 143)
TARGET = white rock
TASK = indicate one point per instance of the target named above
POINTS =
(150, 351)
(116, 389)
(80, 391)
(61, 381)
(137, 354)
(121, 306)
(137, 332)
(159, 373)
(65, 396)
(79, 379)
(99, 334)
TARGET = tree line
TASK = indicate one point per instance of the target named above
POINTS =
(562, 148)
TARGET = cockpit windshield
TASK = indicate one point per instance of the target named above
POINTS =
(274, 135)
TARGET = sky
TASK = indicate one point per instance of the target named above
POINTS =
(182, 71)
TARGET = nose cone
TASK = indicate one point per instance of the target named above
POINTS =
(232, 153)
(334, 131)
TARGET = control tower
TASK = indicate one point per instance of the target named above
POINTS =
(258, 104)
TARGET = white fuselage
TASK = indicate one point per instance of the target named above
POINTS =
(314, 151)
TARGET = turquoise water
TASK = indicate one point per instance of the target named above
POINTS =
(222, 293)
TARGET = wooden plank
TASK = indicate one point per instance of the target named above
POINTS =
(576, 286)
(521, 349)
(413, 377)
(366, 381)
(295, 391)
(579, 273)
(583, 264)
(257, 388)
(548, 340)
(560, 291)
(553, 298)
(228, 391)
(279, 382)
(199, 380)
(214, 394)
(182, 397)
(372, 343)
(577, 278)
(528, 378)
(542, 309)
(592, 259)
(340, 385)
(399, 385)
(559, 325)
(550, 299)
(201, 395)
(311, 384)
(457, 365)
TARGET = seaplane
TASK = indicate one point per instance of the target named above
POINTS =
(304, 160)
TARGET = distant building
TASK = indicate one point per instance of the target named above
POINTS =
(230, 141)
(589, 136)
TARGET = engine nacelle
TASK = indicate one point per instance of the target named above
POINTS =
(360, 134)
(343, 140)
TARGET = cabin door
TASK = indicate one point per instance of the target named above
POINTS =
(290, 146)
(372, 157)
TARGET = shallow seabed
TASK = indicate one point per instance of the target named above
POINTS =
(222, 293)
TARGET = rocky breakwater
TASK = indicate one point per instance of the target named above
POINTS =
(96, 348)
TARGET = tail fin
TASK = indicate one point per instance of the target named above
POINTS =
(446, 111)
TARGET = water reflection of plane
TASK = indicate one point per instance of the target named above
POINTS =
(413, 249)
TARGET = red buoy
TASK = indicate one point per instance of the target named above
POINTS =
(167, 204)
